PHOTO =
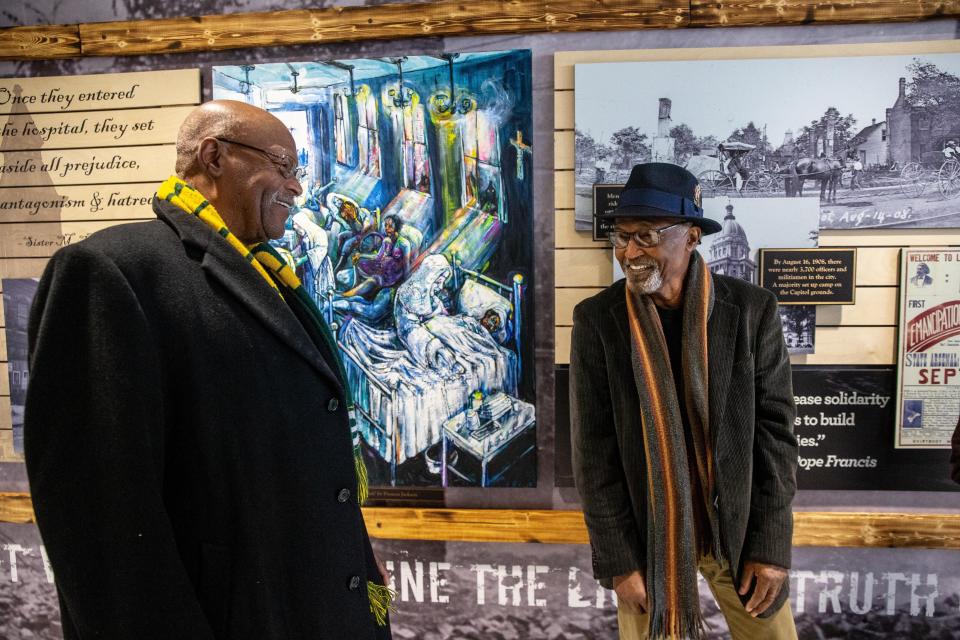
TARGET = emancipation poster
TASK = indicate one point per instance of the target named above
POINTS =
(928, 393)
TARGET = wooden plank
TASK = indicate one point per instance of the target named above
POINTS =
(563, 110)
(4, 381)
(563, 150)
(16, 508)
(21, 267)
(364, 23)
(815, 529)
(900, 530)
(6, 420)
(40, 42)
(890, 237)
(563, 194)
(852, 345)
(125, 127)
(835, 345)
(42, 239)
(88, 166)
(742, 13)
(7, 453)
(123, 201)
(564, 61)
(876, 306)
(583, 267)
(566, 299)
(58, 94)
(566, 237)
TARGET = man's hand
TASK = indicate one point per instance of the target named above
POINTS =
(769, 581)
(382, 568)
(631, 588)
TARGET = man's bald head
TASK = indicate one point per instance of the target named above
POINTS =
(243, 160)
(227, 119)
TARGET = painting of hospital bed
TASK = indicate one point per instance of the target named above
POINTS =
(414, 237)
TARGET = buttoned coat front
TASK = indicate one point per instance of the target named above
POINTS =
(188, 447)
(751, 414)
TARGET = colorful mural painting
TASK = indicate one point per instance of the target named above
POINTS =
(414, 237)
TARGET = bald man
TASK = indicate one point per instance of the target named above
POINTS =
(187, 426)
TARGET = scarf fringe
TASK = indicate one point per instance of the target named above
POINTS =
(381, 601)
(363, 480)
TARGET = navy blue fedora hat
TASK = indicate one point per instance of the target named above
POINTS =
(663, 190)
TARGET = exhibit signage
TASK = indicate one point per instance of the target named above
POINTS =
(810, 276)
(928, 395)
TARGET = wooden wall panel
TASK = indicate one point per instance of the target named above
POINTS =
(583, 267)
(711, 13)
(388, 21)
(40, 42)
(103, 90)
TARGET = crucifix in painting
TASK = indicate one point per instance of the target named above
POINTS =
(521, 148)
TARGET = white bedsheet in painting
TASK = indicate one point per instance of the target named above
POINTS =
(425, 397)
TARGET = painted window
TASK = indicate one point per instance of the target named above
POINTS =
(341, 130)
(368, 136)
(482, 183)
(416, 161)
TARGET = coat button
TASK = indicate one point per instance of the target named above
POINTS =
(333, 405)
(343, 495)
(354, 583)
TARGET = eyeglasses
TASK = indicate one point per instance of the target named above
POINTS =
(285, 164)
(644, 239)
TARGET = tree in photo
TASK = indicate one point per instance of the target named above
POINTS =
(585, 150)
(937, 93)
(844, 129)
(685, 143)
(629, 147)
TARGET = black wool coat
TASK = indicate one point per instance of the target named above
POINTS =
(188, 447)
(751, 423)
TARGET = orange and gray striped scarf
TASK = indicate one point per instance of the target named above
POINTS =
(672, 536)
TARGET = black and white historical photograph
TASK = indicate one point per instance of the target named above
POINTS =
(17, 296)
(876, 138)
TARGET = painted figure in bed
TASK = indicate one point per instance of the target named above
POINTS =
(357, 223)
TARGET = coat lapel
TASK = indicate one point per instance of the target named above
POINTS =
(721, 349)
(228, 267)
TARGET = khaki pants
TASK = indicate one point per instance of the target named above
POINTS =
(635, 625)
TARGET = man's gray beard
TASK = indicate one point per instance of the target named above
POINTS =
(645, 284)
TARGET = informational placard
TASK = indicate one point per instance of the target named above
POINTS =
(845, 419)
(77, 154)
(810, 276)
(606, 197)
(928, 395)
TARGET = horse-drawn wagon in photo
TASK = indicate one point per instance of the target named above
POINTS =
(934, 167)
(734, 178)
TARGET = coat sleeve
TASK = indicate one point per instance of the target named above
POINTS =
(770, 526)
(94, 444)
(597, 464)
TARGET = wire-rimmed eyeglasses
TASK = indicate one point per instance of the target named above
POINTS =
(285, 164)
(644, 239)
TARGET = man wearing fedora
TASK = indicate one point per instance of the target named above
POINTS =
(682, 425)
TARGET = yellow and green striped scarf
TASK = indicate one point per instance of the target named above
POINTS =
(273, 269)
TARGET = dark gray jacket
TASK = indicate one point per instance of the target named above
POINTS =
(751, 421)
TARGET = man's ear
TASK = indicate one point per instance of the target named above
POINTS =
(210, 157)
(693, 237)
